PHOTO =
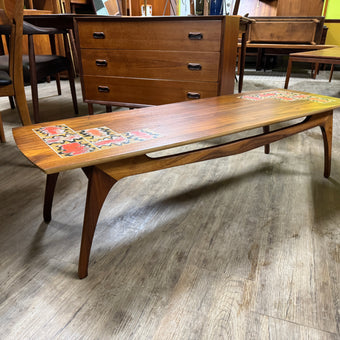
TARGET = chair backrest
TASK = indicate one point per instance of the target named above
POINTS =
(11, 15)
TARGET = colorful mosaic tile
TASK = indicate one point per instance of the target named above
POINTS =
(140, 135)
(67, 142)
(288, 96)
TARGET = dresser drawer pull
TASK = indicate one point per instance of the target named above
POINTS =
(99, 35)
(194, 67)
(101, 62)
(195, 36)
(193, 95)
(104, 89)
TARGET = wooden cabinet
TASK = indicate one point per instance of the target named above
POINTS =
(296, 30)
(156, 60)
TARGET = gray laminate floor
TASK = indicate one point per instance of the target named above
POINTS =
(244, 247)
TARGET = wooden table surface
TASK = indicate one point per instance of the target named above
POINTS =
(329, 53)
(177, 124)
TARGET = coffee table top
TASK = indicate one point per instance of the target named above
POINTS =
(329, 53)
(90, 140)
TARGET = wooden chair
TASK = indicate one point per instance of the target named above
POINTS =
(40, 67)
(11, 82)
(37, 68)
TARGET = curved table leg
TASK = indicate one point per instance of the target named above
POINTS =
(327, 130)
(51, 181)
(98, 187)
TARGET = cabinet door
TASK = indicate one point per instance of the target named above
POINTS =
(300, 8)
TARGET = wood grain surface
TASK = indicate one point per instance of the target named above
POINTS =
(327, 53)
(178, 124)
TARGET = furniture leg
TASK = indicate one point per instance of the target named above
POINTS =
(11, 102)
(33, 79)
(73, 93)
(327, 131)
(331, 73)
(238, 60)
(51, 181)
(242, 61)
(289, 70)
(57, 80)
(90, 108)
(98, 187)
(316, 70)
(266, 129)
(2, 134)
(108, 108)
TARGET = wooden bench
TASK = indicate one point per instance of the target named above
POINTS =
(110, 146)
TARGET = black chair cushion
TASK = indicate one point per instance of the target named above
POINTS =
(5, 79)
(32, 29)
(45, 64)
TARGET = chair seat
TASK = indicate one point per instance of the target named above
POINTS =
(45, 64)
(5, 79)
(32, 29)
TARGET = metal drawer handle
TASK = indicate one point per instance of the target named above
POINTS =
(194, 67)
(193, 95)
(104, 89)
(195, 36)
(99, 35)
(101, 62)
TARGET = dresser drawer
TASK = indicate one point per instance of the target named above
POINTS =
(192, 66)
(145, 91)
(191, 35)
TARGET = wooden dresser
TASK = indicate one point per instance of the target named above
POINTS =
(140, 61)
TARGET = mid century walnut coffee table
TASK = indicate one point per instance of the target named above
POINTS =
(111, 146)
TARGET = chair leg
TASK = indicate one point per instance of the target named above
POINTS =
(73, 92)
(33, 79)
(34, 89)
(57, 80)
(11, 102)
(2, 133)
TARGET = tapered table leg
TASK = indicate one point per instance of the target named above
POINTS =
(266, 129)
(51, 181)
(98, 187)
(327, 131)
(289, 70)
(331, 73)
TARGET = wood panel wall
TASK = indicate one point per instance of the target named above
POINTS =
(281, 7)
(300, 8)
